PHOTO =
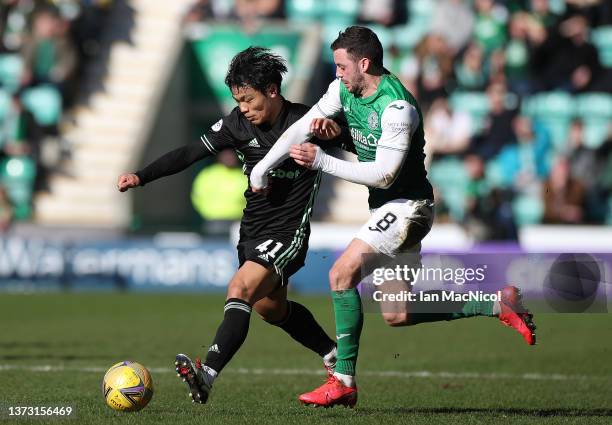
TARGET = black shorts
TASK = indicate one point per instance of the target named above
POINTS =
(284, 254)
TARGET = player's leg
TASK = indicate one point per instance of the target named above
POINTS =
(251, 283)
(298, 322)
(412, 221)
(346, 273)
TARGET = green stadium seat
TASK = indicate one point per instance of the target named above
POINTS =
(11, 68)
(407, 36)
(17, 174)
(5, 103)
(595, 109)
(345, 10)
(528, 210)
(420, 11)
(476, 104)
(45, 103)
(450, 177)
(555, 111)
(304, 10)
(602, 38)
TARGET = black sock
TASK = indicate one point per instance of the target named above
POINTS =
(301, 325)
(231, 334)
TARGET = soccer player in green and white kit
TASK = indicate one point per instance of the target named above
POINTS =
(387, 131)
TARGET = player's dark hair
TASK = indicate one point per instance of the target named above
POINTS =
(256, 67)
(360, 42)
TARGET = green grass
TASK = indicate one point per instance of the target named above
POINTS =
(96, 330)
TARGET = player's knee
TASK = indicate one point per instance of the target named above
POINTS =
(396, 319)
(240, 290)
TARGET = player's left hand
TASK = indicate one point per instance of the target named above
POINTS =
(324, 128)
(305, 154)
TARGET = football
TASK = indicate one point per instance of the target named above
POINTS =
(127, 386)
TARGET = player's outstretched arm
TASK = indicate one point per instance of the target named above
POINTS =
(399, 121)
(166, 165)
(302, 130)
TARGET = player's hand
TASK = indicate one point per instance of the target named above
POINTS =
(306, 155)
(263, 190)
(324, 128)
(127, 181)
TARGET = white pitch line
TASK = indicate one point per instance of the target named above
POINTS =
(312, 372)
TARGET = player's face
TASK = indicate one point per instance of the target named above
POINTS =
(349, 71)
(257, 107)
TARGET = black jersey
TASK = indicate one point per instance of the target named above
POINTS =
(287, 207)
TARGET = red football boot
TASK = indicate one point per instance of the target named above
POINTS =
(331, 393)
(514, 314)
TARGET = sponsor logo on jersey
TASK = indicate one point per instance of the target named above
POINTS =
(279, 173)
(217, 126)
(373, 120)
(254, 144)
(359, 138)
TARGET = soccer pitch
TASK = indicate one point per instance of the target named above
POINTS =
(55, 348)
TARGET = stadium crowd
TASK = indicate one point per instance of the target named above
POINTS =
(44, 44)
(516, 94)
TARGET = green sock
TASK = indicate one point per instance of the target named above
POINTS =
(461, 311)
(349, 321)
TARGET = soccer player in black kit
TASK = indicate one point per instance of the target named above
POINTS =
(275, 226)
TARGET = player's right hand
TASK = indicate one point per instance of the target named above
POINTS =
(324, 128)
(127, 181)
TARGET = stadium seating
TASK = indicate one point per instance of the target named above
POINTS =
(450, 176)
(45, 103)
(476, 104)
(11, 68)
(595, 109)
(602, 38)
(554, 110)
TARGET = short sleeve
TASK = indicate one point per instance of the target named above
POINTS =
(219, 136)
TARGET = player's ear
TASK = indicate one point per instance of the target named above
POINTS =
(272, 90)
(364, 65)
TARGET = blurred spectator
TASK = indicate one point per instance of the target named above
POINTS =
(447, 131)
(199, 11)
(540, 12)
(525, 164)
(49, 55)
(563, 196)
(383, 12)
(470, 72)
(218, 193)
(598, 12)
(516, 54)
(433, 70)
(567, 60)
(497, 131)
(19, 132)
(581, 158)
(490, 26)
(453, 20)
(6, 210)
(489, 214)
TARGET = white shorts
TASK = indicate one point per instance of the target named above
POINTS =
(398, 226)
